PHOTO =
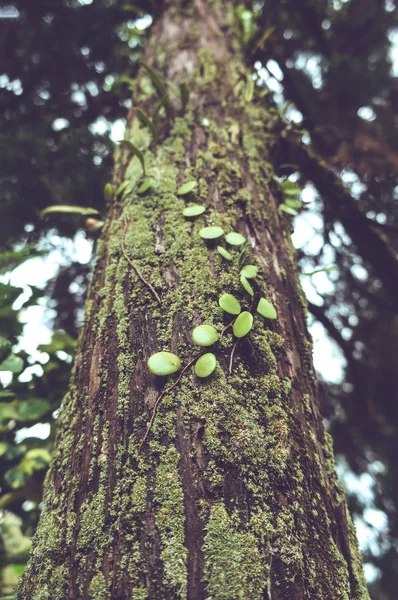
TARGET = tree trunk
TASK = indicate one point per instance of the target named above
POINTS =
(234, 495)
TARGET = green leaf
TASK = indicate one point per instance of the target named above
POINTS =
(157, 82)
(230, 304)
(286, 209)
(293, 203)
(194, 211)
(246, 285)
(266, 309)
(8, 410)
(211, 233)
(186, 188)
(69, 209)
(205, 365)
(147, 122)
(162, 102)
(12, 363)
(235, 239)
(16, 477)
(290, 188)
(224, 253)
(122, 187)
(249, 271)
(135, 151)
(108, 192)
(184, 93)
(145, 185)
(243, 324)
(205, 335)
(35, 459)
(164, 363)
(32, 409)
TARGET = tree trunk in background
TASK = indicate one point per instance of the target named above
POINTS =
(234, 495)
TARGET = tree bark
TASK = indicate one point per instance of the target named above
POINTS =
(234, 495)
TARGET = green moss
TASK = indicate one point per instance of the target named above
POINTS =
(170, 520)
(234, 567)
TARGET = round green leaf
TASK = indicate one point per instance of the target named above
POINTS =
(249, 271)
(246, 285)
(230, 304)
(194, 211)
(243, 324)
(211, 233)
(205, 335)
(266, 309)
(164, 363)
(186, 188)
(235, 239)
(205, 365)
(224, 253)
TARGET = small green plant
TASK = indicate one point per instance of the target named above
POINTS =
(211, 233)
(235, 239)
(205, 365)
(224, 253)
(230, 304)
(164, 363)
(243, 324)
(266, 309)
(194, 211)
(246, 285)
(147, 122)
(145, 185)
(186, 188)
(136, 151)
(205, 335)
(249, 271)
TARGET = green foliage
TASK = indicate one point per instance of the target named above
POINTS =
(186, 188)
(147, 122)
(205, 365)
(230, 304)
(136, 151)
(246, 285)
(205, 335)
(211, 233)
(145, 186)
(249, 271)
(266, 309)
(243, 324)
(194, 211)
(164, 363)
(224, 253)
(235, 239)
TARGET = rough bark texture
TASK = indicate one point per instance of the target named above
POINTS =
(234, 495)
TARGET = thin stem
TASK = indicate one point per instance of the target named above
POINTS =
(158, 399)
(132, 265)
(232, 356)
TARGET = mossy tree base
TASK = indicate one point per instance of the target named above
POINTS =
(234, 494)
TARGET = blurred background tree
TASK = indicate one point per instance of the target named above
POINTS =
(68, 70)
